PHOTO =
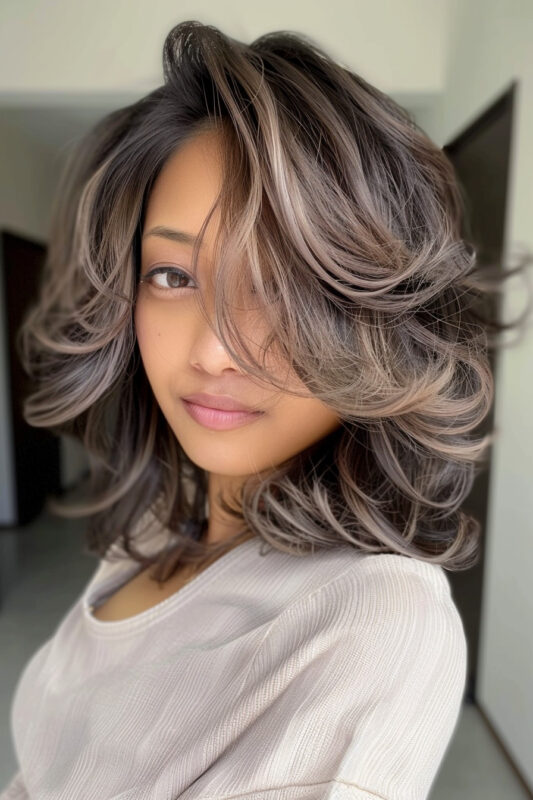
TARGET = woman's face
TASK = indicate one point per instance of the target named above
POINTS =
(183, 356)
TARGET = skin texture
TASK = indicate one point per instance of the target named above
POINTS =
(182, 355)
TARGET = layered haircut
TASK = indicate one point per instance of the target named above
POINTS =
(344, 219)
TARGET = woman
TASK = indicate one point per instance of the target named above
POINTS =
(257, 317)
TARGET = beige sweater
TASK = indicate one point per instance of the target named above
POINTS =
(269, 676)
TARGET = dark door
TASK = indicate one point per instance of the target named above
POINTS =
(481, 155)
(36, 464)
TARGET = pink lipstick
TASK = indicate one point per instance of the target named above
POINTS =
(217, 419)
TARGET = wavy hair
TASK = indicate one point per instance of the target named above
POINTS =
(348, 219)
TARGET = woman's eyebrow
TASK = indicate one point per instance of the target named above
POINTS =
(171, 233)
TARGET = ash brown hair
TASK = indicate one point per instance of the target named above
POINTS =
(347, 217)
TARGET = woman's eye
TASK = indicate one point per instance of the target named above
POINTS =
(168, 278)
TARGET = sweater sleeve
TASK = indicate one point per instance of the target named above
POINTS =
(355, 691)
(15, 789)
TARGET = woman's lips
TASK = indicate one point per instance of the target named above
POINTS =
(219, 420)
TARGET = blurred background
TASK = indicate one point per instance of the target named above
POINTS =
(465, 72)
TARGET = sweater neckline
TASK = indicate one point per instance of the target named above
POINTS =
(96, 592)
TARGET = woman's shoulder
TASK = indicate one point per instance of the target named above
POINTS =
(381, 599)
(373, 658)
(385, 620)
(401, 593)
(393, 577)
(399, 574)
(407, 595)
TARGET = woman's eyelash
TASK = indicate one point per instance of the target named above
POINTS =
(166, 270)
(180, 274)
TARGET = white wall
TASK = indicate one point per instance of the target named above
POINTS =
(76, 46)
(490, 45)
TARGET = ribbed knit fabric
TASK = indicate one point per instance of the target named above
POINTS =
(269, 676)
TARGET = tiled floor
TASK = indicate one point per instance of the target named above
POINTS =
(44, 575)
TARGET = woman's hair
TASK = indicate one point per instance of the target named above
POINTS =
(347, 219)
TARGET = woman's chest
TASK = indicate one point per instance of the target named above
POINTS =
(141, 593)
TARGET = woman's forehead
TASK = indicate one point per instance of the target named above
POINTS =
(189, 181)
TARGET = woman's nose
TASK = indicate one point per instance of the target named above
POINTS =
(248, 329)
(206, 348)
